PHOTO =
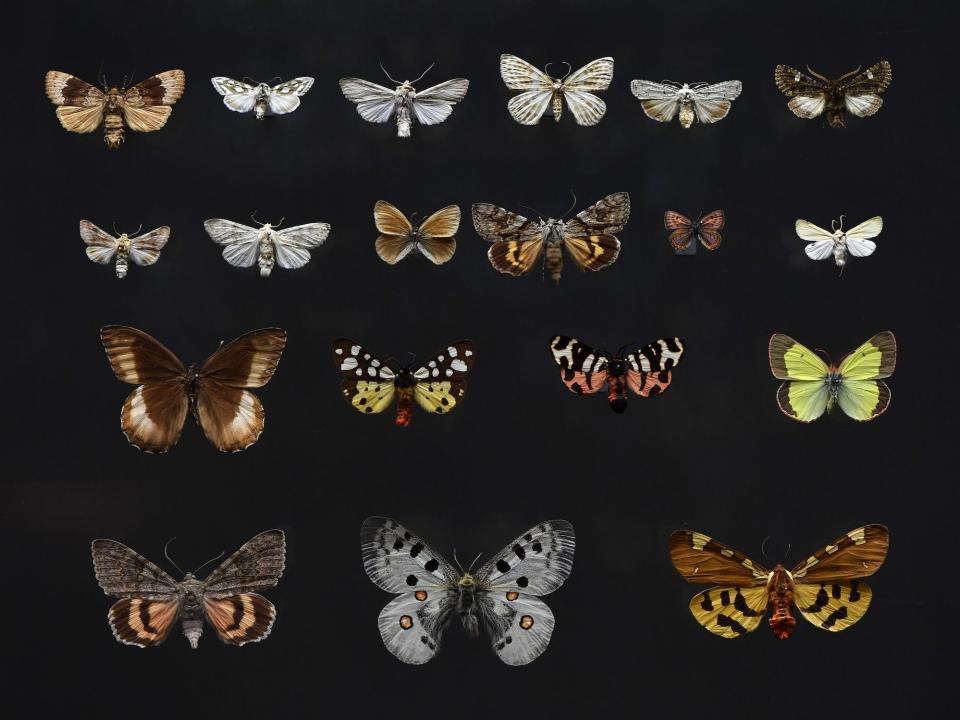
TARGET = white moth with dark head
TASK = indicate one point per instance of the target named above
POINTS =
(244, 245)
(706, 103)
(503, 596)
(856, 241)
(102, 247)
(379, 104)
(260, 97)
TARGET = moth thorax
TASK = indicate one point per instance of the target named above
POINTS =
(467, 581)
(192, 630)
(557, 105)
(265, 256)
(260, 108)
(403, 121)
(686, 113)
(113, 130)
(780, 589)
(553, 257)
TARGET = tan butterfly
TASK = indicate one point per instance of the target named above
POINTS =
(145, 107)
(433, 238)
(825, 587)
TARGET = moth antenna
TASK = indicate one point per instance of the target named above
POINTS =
(817, 75)
(247, 77)
(459, 566)
(253, 216)
(539, 214)
(763, 547)
(841, 222)
(170, 559)
(101, 76)
(137, 231)
(569, 68)
(573, 205)
(423, 73)
(388, 75)
(469, 569)
(413, 217)
(849, 74)
(276, 77)
(281, 222)
(787, 552)
(217, 557)
(413, 357)
(117, 232)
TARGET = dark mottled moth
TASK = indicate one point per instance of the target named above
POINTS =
(150, 601)
(855, 92)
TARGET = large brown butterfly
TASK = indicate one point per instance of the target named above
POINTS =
(145, 107)
(825, 587)
(684, 230)
(214, 392)
(150, 601)
(856, 92)
(589, 237)
(433, 238)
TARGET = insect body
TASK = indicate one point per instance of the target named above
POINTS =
(267, 245)
(541, 91)
(839, 243)
(706, 103)
(814, 94)
(142, 249)
(260, 97)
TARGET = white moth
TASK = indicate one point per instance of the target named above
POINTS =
(855, 241)
(260, 97)
(378, 104)
(541, 91)
(102, 247)
(243, 245)
(708, 103)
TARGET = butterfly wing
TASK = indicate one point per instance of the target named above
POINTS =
(434, 105)
(285, 97)
(862, 92)
(146, 106)
(528, 107)
(510, 585)
(441, 382)
(808, 96)
(660, 102)
(101, 246)
(805, 395)
(587, 108)
(292, 245)
(239, 241)
(375, 103)
(367, 382)
(589, 237)
(145, 249)
(681, 228)
(712, 103)
(582, 369)
(858, 238)
(517, 242)
(827, 591)
(153, 414)
(80, 104)
(396, 233)
(436, 239)
(863, 395)
(149, 601)
(737, 606)
(238, 96)
(650, 368)
(709, 227)
(820, 242)
(397, 561)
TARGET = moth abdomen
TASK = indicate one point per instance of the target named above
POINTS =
(557, 105)
(113, 130)
(686, 114)
(192, 630)
(553, 257)
(121, 267)
(404, 405)
(260, 108)
(403, 121)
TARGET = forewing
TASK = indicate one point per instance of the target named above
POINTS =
(833, 606)
(80, 103)
(730, 611)
(247, 362)
(239, 241)
(858, 238)
(146, 106)
(650, 366)
(434, 105)
(806, 230)
(412, 624)
(101, 246)
(582, 369)
(389, 220)
(375, 103)
(494, 223)
(701, 559)
(803, 400)
(856, 554)
(863, 399)
(285, 97)
(595, 75)
(143, 622)
(606, 216)
(875, 359)
(789, 360)
(292, 244)
(367, 382)
(441, 382)
(518, 74)
(519, 625)
(238, 96)
(807, 95)
(535, 563)
(872, 81)
(145, 249)
(399, 562)
(137, 358)
(124, 573)
(257, 565)
(240, 619)
(673, 220)
(442, 224)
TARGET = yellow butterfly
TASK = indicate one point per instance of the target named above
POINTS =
(813, 387)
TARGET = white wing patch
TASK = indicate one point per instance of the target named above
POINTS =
(412, 624)
(434, 105)
(285, 97)
(520, 626)
(292, 244)
(375, 103)
(239, 241)
(238, 96)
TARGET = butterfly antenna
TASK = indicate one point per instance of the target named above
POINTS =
(413, 357)
(825, 354)
(818, 75)
(569, 209)
(388, 75)
(115, 231)
(457, 561)
(217, 557)
(470, 569)
(849, 74)
(569, 68)
(423, 73)
(167, 555)
(763, 547)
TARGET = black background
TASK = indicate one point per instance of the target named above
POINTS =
(714, 453)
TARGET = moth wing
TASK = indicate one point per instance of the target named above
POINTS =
(375, 103)
(147, 119)
(789, 360)
(231, 418)
(292, 244)
(807, 107)
(441, 382)
(411, 628)
(595, 75)
(863, 105)
(239, 241)
(101, 246)
(650, 366)
(608, 215)
(123, 573)
(256, 565)
(709, 229)
(517, 242)
(143, 623)
(390, 220)
(582, 369)
(807, 96)
(515, 257)
(701, 559)
(710, 111)
(833, 606)
(137, 358)
(240, 619)
(713, 102)
(659, 101)
(858, 238)
(80, 119)
(856, 554)
(535, 563)
(803, 400)
(872, 81)
(714, 220)
(873, 360)
(80, 104)
(518, 74)
(398, 561)
(519, 625)
(438, 250)
(367, 383)
(589, 237)
(443, 223)
(434, 105)
(528, 107)
(730, 611)
(238, 96)
(146, 106)
(145, 249)
(285, 97)
(587, 108)
(594, 252)
(673, 220)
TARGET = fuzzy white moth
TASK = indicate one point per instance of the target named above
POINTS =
(856, 241)
(244, 245)
(261, 98)
(102, 247)
(378, 104)
(706, 103)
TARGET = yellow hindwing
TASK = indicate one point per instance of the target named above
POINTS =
(730, 611)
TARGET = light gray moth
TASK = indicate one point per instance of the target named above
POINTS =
(102, 247)
(706, 103)
(267, 246)
(822, 244)
(260, 97)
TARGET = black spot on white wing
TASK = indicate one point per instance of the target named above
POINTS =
(537, 562)
(396, 560)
